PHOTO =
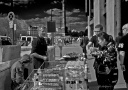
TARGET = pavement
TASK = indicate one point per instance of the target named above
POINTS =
(92, 80)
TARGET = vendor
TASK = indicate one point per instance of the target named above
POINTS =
(39, 50)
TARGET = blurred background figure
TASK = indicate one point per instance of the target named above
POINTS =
(83, 44)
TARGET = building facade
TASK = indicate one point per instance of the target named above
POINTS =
(108, 14)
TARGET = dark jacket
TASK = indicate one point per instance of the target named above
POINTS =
(39, 46)
(107, 56)
(117, 40)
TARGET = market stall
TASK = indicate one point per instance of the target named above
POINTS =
(61, 74)
(76, 72)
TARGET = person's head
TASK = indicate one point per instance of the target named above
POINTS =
(25, 59)
(125, 29)
(103, 39)
(40, 33)
(98, 29)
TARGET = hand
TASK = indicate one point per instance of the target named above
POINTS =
(45, 58)
(123, 67)
(107, 70)
(93, 49)
(88, 52)
(31, 55)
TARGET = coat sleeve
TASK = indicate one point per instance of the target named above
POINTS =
(34, 46)
(13, 74)
(19, 74)
(122, 45)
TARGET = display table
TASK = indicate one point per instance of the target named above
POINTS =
(59, 75)
(51, 78)
(76, 73)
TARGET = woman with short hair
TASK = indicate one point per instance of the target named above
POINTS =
(105, 64)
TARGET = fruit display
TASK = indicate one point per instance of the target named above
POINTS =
(75, 69)
(59, 74)
(71, 56)
(75, 73)
(51, 78)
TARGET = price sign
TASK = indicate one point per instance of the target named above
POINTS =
(11, 24)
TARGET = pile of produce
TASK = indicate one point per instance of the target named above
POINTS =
(71, 56)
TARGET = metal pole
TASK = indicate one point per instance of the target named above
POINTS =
(60, 20)
(13, 25)
(89, 34)
(118, 17)
(51, 14)
(89, 30)
(64, 15)
(12, 5)
(52, 33)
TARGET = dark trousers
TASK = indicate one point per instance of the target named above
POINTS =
(38, 62)
(14, 85)
(107, 82)
(85, 52)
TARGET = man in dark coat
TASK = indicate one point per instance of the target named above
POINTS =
(39, 50)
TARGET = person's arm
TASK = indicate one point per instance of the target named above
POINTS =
(121, 50)
(39, 56)
(34, 46)
(13, 74)
(121, 57)
(90, 43)
(88, 47)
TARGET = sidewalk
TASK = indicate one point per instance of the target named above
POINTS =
(94, 86)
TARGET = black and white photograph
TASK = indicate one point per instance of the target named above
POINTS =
(63, 44)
